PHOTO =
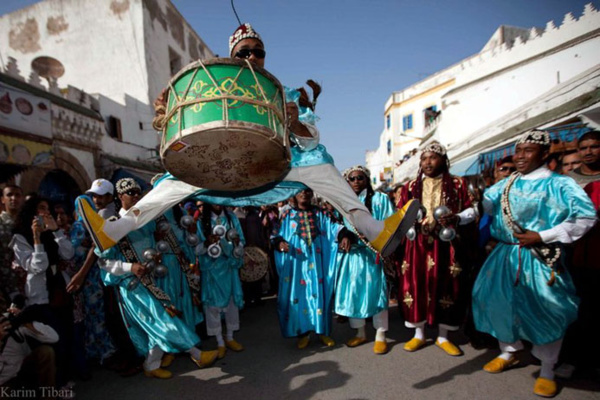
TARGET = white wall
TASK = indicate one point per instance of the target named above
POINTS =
(498, 80)
(99, 45)
(117, 50)
(85, 158)
(538, 65)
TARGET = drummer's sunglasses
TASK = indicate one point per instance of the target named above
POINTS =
(245, 53)
(359, 178)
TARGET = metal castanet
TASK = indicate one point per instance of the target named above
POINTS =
(225, 126)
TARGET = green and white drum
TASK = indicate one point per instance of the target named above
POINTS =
(225, 126)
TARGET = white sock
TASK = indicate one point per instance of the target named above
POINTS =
(420, 333)
(380, 335)
(366, 224)
(229, 336)
(220, 341)
(442, 335)
(506, 355)
(360, 332)
(547, 371)
(195, 353)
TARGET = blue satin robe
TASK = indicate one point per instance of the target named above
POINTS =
(532, 310)
(306, 274)
(148, 323)
(361, 290)
(221, 276)
(175, 284)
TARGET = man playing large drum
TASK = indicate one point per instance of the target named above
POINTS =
(311, 165)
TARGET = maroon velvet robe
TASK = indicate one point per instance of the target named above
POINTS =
(433, 274)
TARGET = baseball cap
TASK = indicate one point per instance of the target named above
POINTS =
(101, 187)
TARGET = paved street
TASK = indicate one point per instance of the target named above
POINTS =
(272, 368)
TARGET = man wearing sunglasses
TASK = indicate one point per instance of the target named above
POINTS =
(311, 165)
(505, 167)
(149, 312)
(361, 290)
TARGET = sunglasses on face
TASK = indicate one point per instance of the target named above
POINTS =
(505, 169)
(133, 193)
(358, 178)
(245, 53)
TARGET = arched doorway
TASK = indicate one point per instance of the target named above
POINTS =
(59, 187)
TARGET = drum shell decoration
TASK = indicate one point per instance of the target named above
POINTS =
(256, 264)
(226, 144)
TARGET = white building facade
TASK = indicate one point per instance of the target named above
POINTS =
(516, 67)
(121, 52)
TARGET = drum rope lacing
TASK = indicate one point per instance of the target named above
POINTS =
(161, 123)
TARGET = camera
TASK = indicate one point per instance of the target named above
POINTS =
(40, 220)
(27, 315)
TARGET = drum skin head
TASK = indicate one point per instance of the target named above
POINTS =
(227, 159)
(256, 264)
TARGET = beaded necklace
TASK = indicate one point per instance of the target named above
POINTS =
(548, 254)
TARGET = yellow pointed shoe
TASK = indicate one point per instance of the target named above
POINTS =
(380, 347)
(221, 350)
(303, 342)
(95, 225)
(167, 360)
(545, 387)
(395, 227)
(158, 373)
(498, 365)
(327, 341)
(414, 344)
(356, 341)
(207, 358)
(234, 345)
(450, 348)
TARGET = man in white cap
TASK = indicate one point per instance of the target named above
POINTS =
(102, 192)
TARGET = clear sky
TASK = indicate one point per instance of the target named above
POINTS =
(361, 50)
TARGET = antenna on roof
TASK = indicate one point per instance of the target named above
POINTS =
(235, 12)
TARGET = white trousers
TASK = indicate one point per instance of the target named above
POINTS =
(380, 321)
(546, 353)
(421, 324)
(213, 319)
(153, 359)
(323, 179)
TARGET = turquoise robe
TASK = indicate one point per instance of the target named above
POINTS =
(361, 290)
(221, 276)
(306, 272)
(148, 323)
(175, 284)
(531, 310)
